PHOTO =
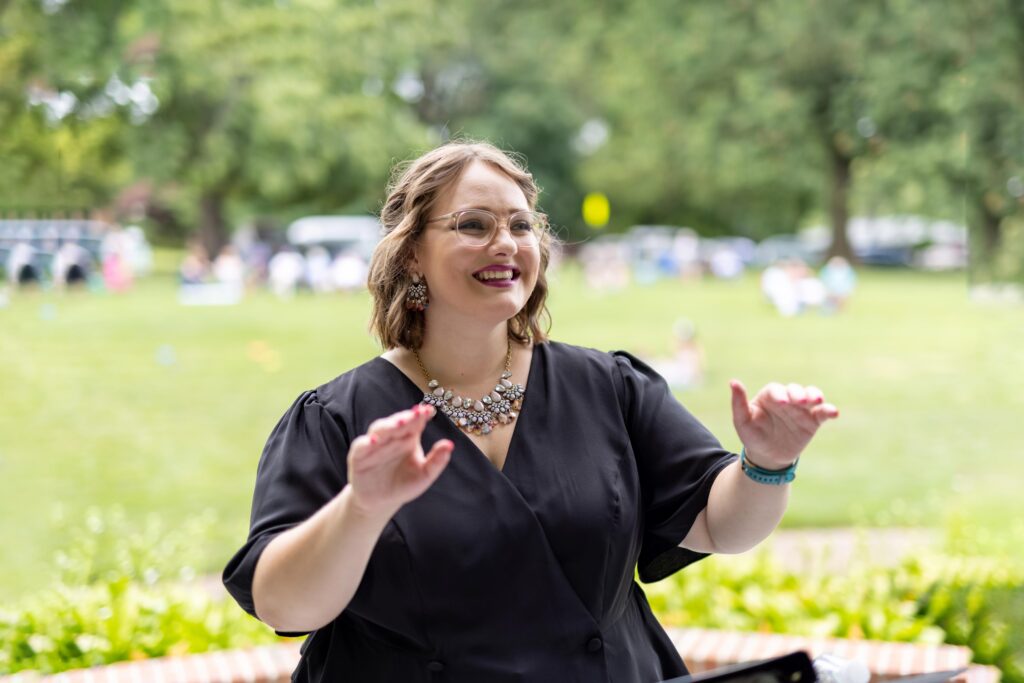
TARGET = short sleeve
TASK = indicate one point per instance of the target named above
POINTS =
(677, 460)
(302, 468)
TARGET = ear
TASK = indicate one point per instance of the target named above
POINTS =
(412, 266)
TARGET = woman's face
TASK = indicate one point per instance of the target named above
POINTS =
(454, 270)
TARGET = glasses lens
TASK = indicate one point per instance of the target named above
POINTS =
(525, 227)
(475, 227)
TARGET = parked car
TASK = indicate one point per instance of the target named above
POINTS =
(358, 234)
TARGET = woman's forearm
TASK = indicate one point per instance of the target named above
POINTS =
(741, 512)
(307, 575)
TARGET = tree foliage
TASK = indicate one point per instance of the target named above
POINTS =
(732, 117)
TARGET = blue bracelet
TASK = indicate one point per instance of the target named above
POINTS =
(763, 476)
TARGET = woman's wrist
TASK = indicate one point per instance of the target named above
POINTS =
(757, 460)
(348, 500)
(762, 475)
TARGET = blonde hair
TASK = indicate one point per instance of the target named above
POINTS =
(412, 193)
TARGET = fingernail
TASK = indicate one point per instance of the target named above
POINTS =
(373, 439)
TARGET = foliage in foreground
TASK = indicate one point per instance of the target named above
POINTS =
(960, 600)
(125, 593)
(122, 594)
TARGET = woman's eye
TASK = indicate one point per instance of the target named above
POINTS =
(522, 226)
(471, 225)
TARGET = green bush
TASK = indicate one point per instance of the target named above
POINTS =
(127, 590)
(972, 601)
(123, 593)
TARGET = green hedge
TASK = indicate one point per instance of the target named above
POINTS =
(124, 592)
(960, 600)
(127, 591)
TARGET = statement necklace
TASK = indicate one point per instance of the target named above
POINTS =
(480, 416)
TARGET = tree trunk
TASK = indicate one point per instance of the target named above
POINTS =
(991, 232)
(213, 232)
(839, 209)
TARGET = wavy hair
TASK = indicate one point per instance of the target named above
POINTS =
(412, 192)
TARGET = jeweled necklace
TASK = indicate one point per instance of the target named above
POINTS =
(480, 416)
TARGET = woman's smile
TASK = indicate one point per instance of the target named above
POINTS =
(501, 276)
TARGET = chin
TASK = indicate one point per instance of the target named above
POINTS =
(505, 309)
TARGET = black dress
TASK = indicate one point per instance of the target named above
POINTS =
(521, 574)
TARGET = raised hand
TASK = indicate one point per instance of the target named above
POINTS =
(387, 467)
(779, 422)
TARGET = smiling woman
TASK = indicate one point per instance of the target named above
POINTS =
(472, 504)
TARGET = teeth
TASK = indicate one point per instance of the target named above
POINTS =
(494, 275)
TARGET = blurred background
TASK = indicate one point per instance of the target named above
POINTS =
(830, 193)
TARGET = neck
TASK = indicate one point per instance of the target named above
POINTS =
(464, 354)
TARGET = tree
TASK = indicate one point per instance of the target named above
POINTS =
(273, 108)
(985, 144)
(61, 149)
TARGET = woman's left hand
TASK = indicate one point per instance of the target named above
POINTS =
(779, 422)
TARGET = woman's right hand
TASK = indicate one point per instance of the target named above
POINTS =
(387, 467)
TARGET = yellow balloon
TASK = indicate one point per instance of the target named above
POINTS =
(596, 210)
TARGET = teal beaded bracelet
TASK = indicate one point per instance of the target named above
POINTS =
(763, 476)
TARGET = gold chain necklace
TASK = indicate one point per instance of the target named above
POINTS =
(480, 416)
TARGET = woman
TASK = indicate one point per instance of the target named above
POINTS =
(496, 541)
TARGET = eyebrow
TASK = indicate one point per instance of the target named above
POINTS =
(508, 212)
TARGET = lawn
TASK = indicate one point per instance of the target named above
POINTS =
(133, 400)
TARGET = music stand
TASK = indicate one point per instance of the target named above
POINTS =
(796, 667)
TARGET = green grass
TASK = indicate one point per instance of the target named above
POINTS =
(95, 412)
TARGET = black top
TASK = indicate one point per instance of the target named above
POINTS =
(523, 574)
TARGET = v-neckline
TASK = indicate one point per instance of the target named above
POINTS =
(530, 380)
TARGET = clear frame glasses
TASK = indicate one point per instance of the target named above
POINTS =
(477, 227)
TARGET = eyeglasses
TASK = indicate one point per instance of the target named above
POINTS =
(477, 227)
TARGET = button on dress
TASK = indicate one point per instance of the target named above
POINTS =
(524, 574)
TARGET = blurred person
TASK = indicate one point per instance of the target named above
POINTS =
(810, 292)
(686, 253)
(228, 268)
(685, 368)
(779, 288)
(605, 267)
(726, 264)
(137, 252)
(195, 267)
(839, 280)
(689, 356)
(257, 258)
(221, 283)
(21, 268)
(114, 263)
(285, 271)
(348, 271)
(472, 504)
(318, 269)
(71, 266)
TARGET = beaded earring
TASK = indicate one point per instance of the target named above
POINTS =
(416, 298)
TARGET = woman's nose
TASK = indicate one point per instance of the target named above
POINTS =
(502, 241)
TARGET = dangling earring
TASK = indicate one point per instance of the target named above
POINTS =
(416, 298)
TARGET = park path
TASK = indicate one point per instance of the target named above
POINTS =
(834, 549)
